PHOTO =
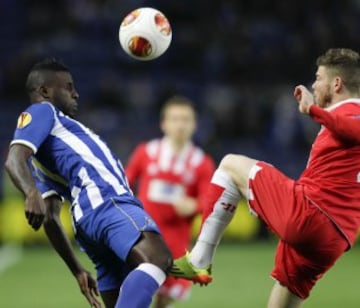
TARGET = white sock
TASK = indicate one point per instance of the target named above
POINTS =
(213, 228)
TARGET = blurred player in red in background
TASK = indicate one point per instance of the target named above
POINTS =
(171, 175)
(316, 217)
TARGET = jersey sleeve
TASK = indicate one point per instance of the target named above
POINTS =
(206, 171)
(46, 191)
(134, 166)
(346, 127)
(42, 183)
(34, 125)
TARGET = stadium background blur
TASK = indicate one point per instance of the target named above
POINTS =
(237, 60)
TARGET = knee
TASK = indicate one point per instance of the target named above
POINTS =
(151, 248)
(161, 257)
(164, 261)
(231, 162)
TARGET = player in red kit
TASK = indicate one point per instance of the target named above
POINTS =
(316, 217)
(171, 175)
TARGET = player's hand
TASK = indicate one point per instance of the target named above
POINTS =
(88, 287)
(304, 97)
(35, 209)
(185, 206)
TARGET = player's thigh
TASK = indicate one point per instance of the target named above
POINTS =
(238, 167)
(134, 237)
(275, 199)
(150, 248)
(121, 227)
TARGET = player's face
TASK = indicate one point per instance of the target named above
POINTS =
(179, 123)
(322, 87)
(64, 94)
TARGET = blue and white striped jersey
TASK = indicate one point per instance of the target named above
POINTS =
(70, 160)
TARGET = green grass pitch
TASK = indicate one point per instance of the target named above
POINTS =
(39, 279)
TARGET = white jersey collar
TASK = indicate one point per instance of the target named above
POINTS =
(346, 101)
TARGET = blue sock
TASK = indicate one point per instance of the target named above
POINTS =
(140, 286)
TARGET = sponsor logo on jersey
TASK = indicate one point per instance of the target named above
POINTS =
(24, 120)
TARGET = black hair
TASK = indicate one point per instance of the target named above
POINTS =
(38, 74)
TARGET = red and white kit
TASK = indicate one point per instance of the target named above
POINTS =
(162, 178)
(316, 217)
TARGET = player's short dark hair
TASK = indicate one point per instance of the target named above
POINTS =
(345, 63)
(176, 100)
(38, 73)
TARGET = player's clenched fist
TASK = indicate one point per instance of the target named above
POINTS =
(304, 97)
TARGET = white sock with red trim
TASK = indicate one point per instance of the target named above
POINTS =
(223, 198)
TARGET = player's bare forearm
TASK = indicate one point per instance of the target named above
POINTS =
(18, 170)
(20, 174)
(61, 243)
(57, 235)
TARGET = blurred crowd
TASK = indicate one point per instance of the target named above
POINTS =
(237, 60)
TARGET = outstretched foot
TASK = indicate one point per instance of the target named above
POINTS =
(182, 268)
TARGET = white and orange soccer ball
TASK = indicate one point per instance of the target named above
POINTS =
(145, 34)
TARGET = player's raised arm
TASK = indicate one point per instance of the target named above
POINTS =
(345, 127)
(21, 176)
(60, 241)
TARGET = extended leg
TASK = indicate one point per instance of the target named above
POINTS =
(228, 181)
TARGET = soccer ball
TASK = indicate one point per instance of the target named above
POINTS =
(145, 34)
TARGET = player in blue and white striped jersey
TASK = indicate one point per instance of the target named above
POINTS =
(54, 157)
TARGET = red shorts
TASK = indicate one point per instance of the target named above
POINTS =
(177, 289)
(177, 239)
(309, 243)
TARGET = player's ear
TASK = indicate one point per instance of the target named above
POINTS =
(45, 92)
(338, 84)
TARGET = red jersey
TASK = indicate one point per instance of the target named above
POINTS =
(162, 177)
(331, 179)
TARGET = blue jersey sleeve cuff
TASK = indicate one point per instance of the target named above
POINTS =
(50, 193)
(26, 143)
